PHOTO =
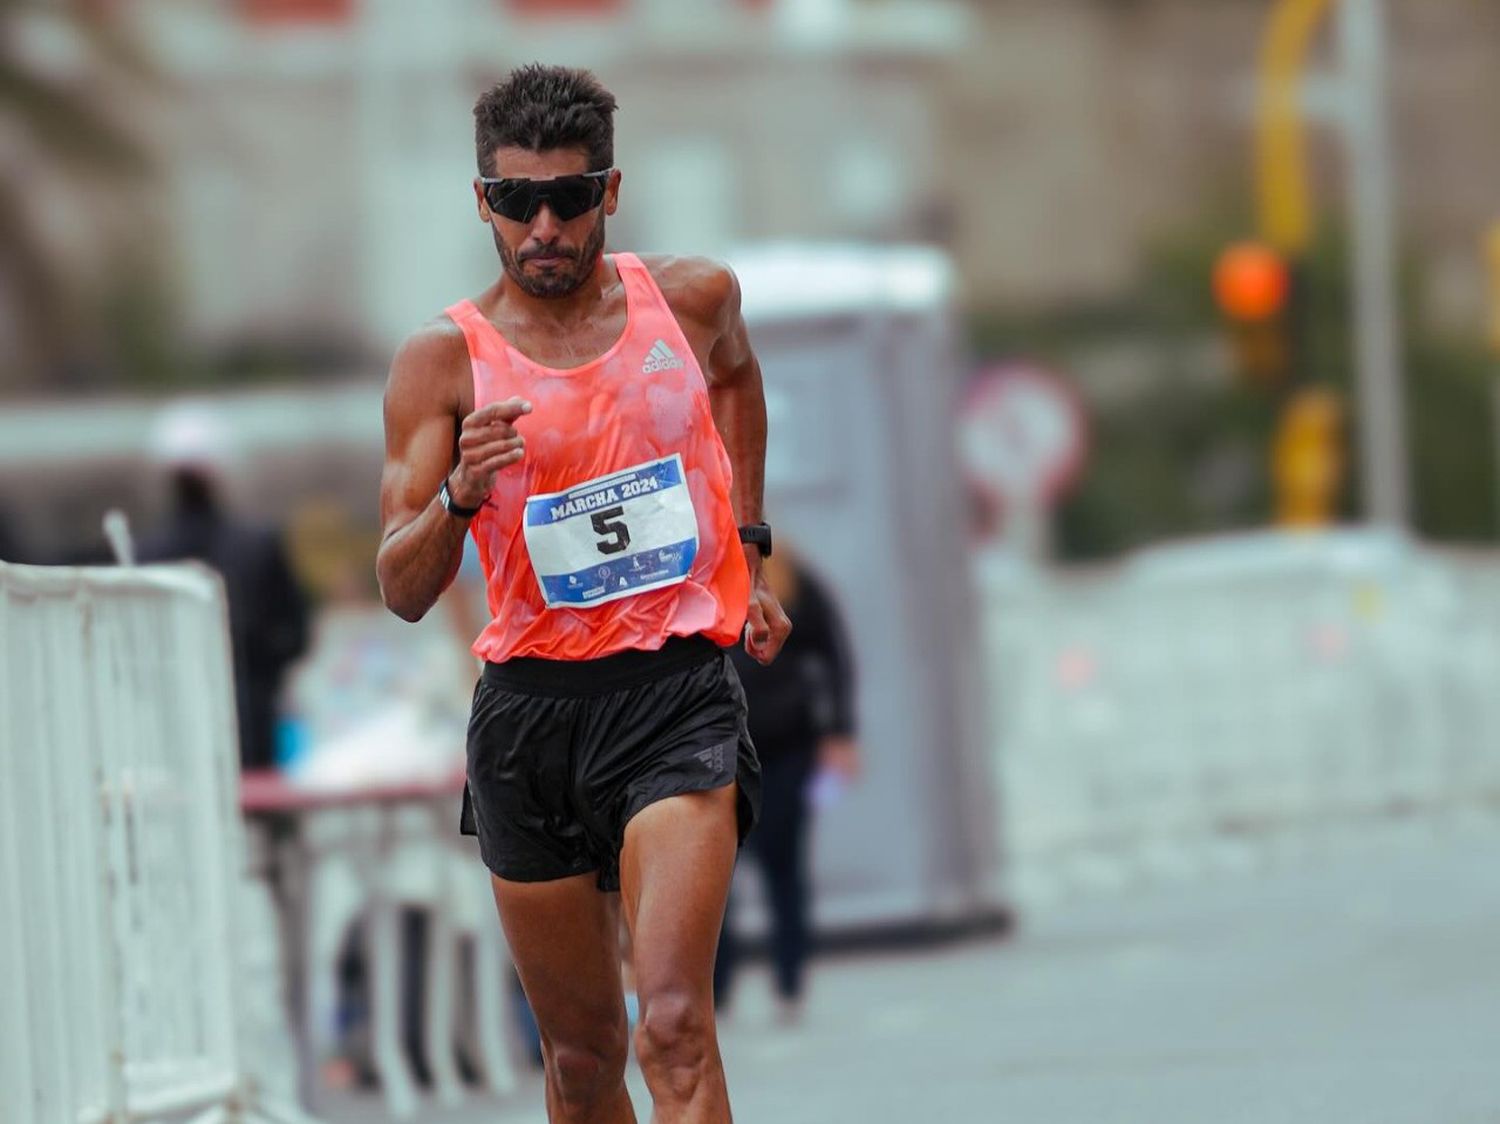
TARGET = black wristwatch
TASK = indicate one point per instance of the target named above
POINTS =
(445, 497)
(759, 535)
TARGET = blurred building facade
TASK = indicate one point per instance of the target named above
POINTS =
(324, 146)
(323, 155)
(314, 155)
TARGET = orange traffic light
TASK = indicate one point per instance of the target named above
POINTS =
(1251, 282)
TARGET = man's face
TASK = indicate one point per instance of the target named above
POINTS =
(546, 256)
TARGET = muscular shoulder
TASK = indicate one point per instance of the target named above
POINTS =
(429, 368)
(700, 290)
(439, 343)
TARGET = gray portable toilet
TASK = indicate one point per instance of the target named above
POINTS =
(862, 363)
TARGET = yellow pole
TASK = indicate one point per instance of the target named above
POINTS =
(1306, 453)
(1307, 458)
(1285, 214)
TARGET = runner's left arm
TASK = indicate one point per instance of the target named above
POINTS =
(739, 408)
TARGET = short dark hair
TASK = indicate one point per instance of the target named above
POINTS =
(541, 107)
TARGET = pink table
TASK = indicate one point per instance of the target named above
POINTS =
(268, 792)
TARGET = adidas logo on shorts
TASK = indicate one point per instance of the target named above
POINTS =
(713, 757)
(661, 358)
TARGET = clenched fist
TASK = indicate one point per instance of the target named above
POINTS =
(767, 625)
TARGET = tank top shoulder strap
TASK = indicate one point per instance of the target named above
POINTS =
(489, 361)
(471, 322)
(640, 286)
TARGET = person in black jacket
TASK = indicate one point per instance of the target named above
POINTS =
(268, 625)
(802, 723)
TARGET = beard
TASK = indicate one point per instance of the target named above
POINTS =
(563, 279)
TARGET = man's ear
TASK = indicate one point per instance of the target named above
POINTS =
(612, 192)
(484, 207)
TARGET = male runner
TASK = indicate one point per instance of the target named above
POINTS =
(596, 422)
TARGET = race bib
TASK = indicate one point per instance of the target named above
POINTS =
(614, 536)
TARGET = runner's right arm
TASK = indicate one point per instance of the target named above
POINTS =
(421, 543)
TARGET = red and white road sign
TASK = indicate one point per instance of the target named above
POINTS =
(1022, 434)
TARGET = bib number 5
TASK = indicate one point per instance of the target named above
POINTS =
(616, 535)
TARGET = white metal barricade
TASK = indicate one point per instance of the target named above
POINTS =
(1201, 702)
(120, 848)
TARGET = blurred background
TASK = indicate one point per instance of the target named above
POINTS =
(1134, 377)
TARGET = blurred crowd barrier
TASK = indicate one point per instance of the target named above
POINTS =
(364, 855)
(1211, 705)
(120, 850)
(357, 831)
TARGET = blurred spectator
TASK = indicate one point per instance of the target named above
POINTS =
(802, 722)
(267, 610)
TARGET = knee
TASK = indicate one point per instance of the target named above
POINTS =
(674, 1040)
(585, 1073)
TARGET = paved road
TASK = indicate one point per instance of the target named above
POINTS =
(1361, 989)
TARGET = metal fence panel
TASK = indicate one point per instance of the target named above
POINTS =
(118, 842)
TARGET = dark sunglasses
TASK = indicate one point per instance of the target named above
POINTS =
(568, 196)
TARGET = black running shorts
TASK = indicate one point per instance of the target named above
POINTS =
(563, 753)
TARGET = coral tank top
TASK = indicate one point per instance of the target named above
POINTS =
(615, 530)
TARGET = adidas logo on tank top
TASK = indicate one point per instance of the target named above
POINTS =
(661, 358)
